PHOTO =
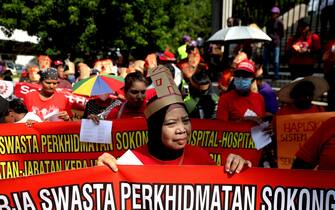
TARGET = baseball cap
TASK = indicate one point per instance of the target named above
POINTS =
(167, 56)
(246, 65)
(275, 10)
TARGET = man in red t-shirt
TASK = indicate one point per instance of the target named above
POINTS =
(241, 103)
(47, 103)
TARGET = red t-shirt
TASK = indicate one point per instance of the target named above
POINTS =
(312, 42)
(192, 156)
(149, 93)
(329, 56)
(232, 107)
(291, 109)
(57, 102)
(329, 45)
(63, 83)
(319, 149)
(122, 111)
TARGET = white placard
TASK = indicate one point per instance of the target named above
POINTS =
(250, 113)
(128, 158)
(96, 133)
(52, 116)
(261, 138)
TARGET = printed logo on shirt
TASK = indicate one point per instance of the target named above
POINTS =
(44, 112)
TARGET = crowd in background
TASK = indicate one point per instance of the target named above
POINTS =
(241, 93)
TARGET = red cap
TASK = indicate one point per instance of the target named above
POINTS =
(246, 65)
(167, 56)
(58, 62)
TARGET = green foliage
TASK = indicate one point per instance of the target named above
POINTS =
(84, 27)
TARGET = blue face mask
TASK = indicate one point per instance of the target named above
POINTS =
(242, 84)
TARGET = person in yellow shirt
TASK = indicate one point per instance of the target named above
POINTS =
(182, 54)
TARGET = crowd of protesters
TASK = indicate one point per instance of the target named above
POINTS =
(242, 93)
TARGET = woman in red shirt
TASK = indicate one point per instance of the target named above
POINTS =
(135, 95)
(302, 49)
(169, 128)
(168, 132)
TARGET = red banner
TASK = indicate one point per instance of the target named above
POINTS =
(171, 187)
(54, 146)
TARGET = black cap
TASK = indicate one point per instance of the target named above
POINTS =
(49, 73)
